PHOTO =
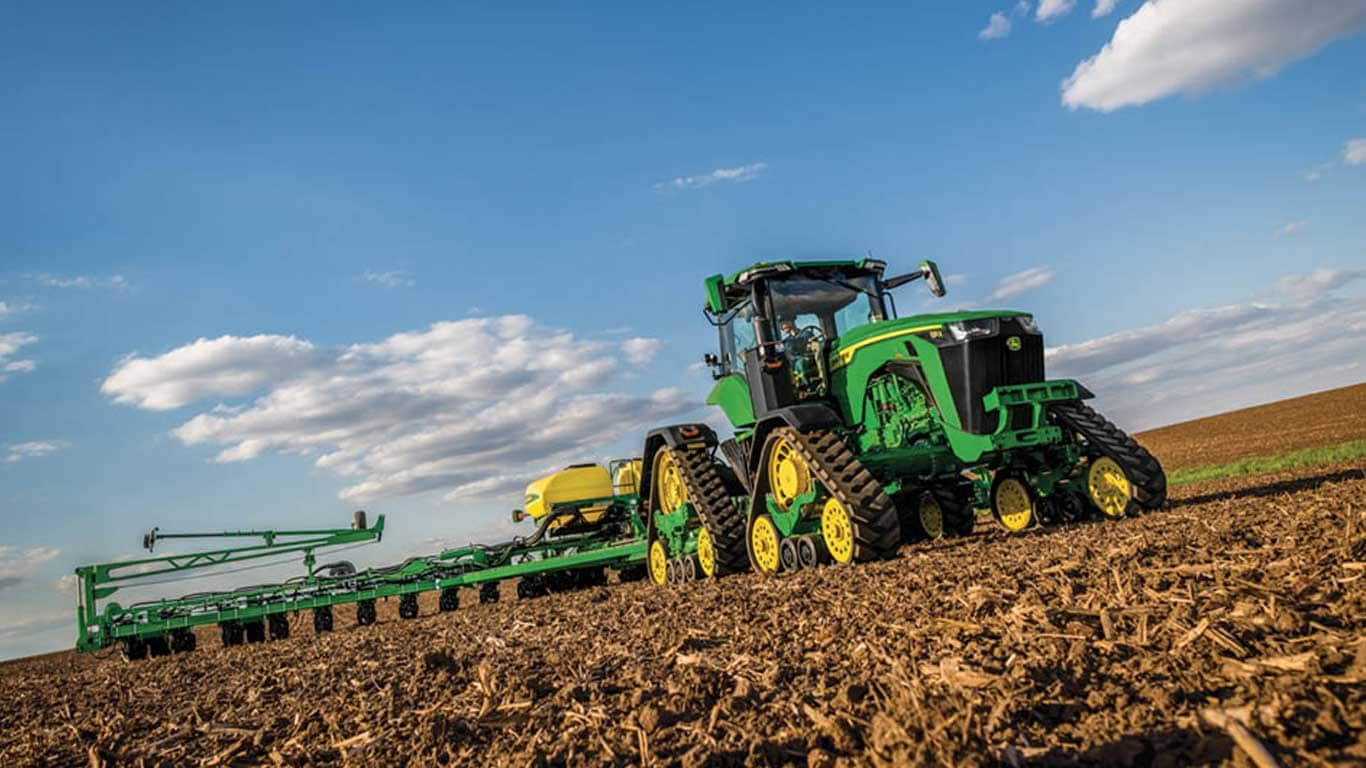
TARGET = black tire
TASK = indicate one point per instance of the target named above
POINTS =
(278, 625)
(787, 554)
(488, 592)
(449, 600)
(183, 641)
(631, 573)
(255, 631)
(232, 633)
(365, 612)
(809, 553)
(407, 606)
(1148, 483)
(322, 619)
(134, 649)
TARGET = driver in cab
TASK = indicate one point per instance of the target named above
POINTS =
(796, 341)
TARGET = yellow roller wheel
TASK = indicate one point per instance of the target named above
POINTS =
(706, 554)
(788, 475)
(1012, 505)
(658, 563)
(669, 481)
(763, 544)
(1109, 487)
(838, 531)
(930, 516)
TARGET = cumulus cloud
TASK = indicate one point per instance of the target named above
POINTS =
(10, 344)
(17, 452)
(1025, 280)
(17, 566)
(1309, 334)
(83, 282)
(1103, 8)
(1354, 152)
(395, 278)
(639, 352)
(1191, 46)
(1052, 9)
(68, 584)
(733, 175)
(451, 407)
(998, 26)
(227, 365)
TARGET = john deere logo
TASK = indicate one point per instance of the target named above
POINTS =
(1013, 343)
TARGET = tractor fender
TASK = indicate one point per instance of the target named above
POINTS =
(804, 417)
(672, 436)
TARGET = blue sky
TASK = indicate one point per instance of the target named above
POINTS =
(256, 264)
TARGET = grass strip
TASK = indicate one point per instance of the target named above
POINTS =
(1354, 449)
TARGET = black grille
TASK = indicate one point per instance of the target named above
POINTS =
(977, 366)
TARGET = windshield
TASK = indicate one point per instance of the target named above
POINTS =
(832, 305)
(737, 335)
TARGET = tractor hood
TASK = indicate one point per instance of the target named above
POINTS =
(843, 348)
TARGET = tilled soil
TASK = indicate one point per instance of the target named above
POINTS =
(1312, 421)
(1096, 644)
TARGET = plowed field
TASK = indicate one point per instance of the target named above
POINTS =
(1129, 643)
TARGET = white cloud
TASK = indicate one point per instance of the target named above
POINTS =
(10, 343)
(1191, 46)
(16, 452)
(1052, 9)
(35, 623)
(998, 26)
(1026, 280)
(228, 365)
(1289, 228)
(734, 175)
(8, 309)
(1354, 152)
(1103, 8)
(83, 282)
(17, 566)
(1310, 335)
(396, 278)
(68, 584)
(450, 407)
(639, 352)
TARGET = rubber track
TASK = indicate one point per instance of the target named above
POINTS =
(877, 527)
(714, 503)
(1142, 468)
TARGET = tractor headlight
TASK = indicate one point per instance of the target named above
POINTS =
(1028, 324)
(972, 329)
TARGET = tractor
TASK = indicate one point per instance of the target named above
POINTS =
(856, 431)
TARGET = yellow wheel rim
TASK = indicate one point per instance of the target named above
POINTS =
(931, 517)
(838, 531)
(1110, 489)
(659, 562)
(706, 555)
(1013, 507)
(763, 541)
(672, 494)
(788, 476)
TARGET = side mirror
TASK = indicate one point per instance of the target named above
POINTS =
(518, 515)
(931, 272)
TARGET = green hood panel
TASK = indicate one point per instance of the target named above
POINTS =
(907, 324)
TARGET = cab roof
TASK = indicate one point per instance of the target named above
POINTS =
(725, 292)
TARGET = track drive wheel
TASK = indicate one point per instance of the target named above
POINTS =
(693, 476)
(1012, 502)
(1123, 478)
(862, 519)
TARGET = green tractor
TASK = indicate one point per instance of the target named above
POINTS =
(856, 430)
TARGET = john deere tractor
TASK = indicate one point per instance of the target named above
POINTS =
(856, 430)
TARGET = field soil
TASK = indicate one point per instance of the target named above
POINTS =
(1233, 618)
(1313, 421)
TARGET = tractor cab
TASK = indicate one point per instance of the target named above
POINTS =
(777, 323)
